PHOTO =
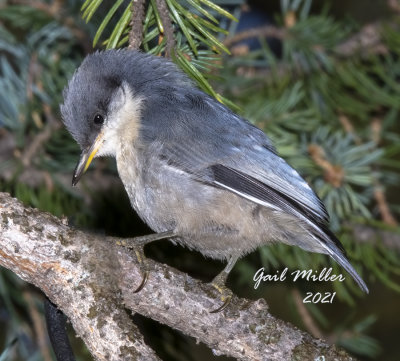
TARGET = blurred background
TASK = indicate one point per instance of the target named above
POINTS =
(321, 78)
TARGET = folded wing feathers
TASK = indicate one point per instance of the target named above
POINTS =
(263, 194)
(258, 192)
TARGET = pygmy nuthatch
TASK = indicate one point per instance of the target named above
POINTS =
(194, 171)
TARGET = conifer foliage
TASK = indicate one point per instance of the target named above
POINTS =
(326, 90)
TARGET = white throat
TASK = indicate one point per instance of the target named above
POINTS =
(121, 127)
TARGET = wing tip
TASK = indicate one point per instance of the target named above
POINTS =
(336, 254)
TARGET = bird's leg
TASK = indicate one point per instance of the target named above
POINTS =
(137, 245)
(219, 282)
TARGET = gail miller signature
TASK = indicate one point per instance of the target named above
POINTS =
(309, 275)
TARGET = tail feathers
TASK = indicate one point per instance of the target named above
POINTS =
(340, 258)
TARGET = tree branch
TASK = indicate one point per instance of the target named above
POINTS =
(77, 273)
(267, 31)
(91, 279)
(368, 41)
(136, 32)
(167, 25)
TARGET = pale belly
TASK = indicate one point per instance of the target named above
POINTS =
(215, 222)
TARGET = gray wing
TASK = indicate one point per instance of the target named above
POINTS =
(211, 144)
(259, 175)
(205, 139)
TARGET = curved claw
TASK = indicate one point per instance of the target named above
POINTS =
(223, 306)
(143, 283)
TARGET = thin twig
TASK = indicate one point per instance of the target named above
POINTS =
(136, 24)
(32, 149)
(38, 326)
(376, 129)
(333, 174)
(379, 191)
(383, 206)
(394, 5)
(349, 128)
(167, 26)
(41, 137)
(363, 44)
(51, 125)
(261, 32)
(32, 71)
(367, 41)
(308, 321)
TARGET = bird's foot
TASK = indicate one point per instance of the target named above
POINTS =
(226, 294)
(137, 245)
(138, 249)
(144, 267)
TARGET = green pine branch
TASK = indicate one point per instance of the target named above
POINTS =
(196, 33)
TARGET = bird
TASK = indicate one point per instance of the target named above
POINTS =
(197, 173)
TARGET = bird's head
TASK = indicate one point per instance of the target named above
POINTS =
(103, 99)
(90, 100)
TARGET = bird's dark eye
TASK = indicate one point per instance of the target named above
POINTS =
(98, 119)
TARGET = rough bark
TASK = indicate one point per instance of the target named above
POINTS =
(136, 24)
(77, 273)
(168, 29)
(91, 279)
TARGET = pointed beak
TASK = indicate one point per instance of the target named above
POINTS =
(86, 158)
